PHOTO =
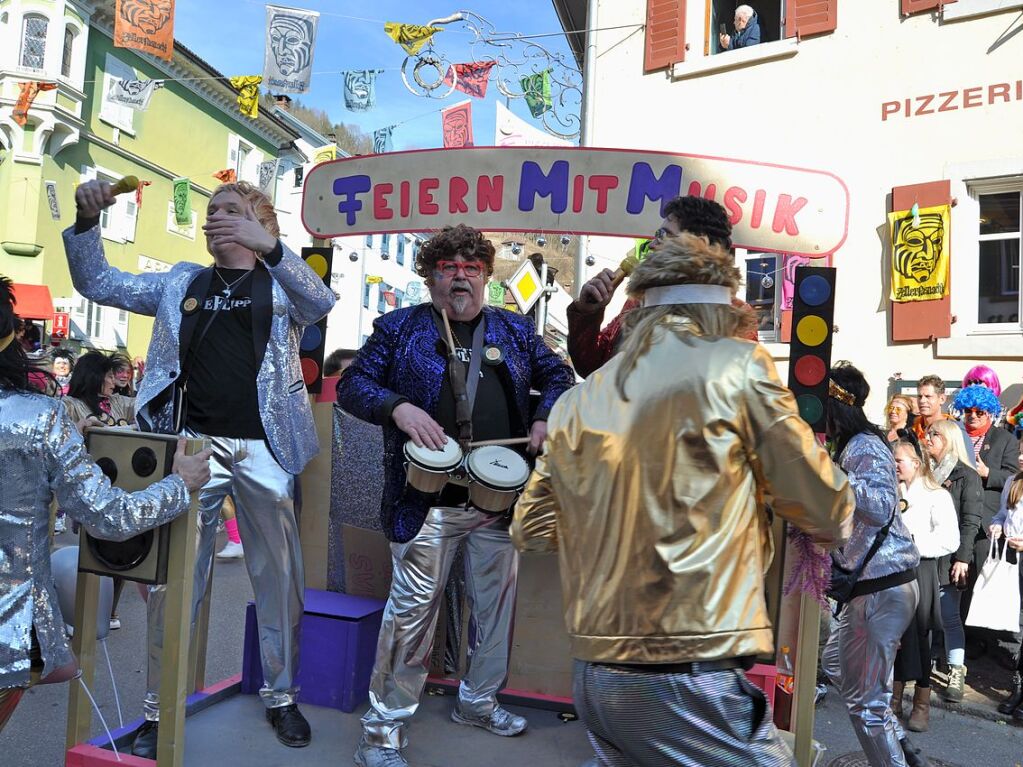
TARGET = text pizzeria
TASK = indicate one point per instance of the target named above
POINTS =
(952, 101)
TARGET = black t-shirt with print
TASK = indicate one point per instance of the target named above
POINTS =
(221, 386)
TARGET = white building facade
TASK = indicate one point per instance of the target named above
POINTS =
(907, 101)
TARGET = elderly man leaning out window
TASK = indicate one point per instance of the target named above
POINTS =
(747, 30)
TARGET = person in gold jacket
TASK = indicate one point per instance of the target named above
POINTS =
(652, 488)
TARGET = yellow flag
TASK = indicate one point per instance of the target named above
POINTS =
(411, 37)
(248, 94)
(372, 279)
(325, 153)
(920, 253)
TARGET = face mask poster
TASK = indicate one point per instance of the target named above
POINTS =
(615, 192)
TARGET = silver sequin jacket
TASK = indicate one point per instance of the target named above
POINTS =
(870, 466)
(299, 299)
(42, 454)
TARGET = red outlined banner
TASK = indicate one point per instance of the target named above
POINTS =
(616, 192)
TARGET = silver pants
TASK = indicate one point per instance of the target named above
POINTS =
(421, 569)
(859, 659)
(644, 719)
(263, 495)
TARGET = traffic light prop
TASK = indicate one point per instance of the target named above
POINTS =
(311, 347)
(813, 314)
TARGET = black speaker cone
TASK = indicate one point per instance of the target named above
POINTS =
(109, 468)
(122, 555)
(144, 461)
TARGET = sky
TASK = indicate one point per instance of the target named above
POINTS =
(229, 34)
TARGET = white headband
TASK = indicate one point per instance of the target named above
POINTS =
(687, 294)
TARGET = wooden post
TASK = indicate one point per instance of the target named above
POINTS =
(83, 644)
(200, 640)
(804, 692)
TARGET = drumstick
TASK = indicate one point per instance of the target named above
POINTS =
(509, 441)
(125, 185)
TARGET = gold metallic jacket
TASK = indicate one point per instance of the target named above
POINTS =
(657, 505)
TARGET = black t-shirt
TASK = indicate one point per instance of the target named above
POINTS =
(222, 399)
(491, 414)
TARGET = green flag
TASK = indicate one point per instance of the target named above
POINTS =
(537, 89)
(495, 296)
(182, 201)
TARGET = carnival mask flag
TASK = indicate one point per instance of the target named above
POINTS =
(920, 253)
(290, 40)
(145, 25)
(472, 78)
(134, 94)
(382, 140)
(411, 37)
(537, 89)
(457, 123)
(248, 94)
(360, 89)
(28, 94)
(325, 153)
(226, 176)
(182, 201)
(267, 176)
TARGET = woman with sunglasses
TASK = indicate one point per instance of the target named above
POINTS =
(899, 412)
(953, 471)
(929, 515)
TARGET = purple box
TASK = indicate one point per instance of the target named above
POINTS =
(338, 647)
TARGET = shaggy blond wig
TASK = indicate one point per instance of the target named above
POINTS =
(261, 205)
(684, 259)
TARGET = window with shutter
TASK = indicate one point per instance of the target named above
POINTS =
(922, 320)
(665, 34)
(919, 6)
(810, 17)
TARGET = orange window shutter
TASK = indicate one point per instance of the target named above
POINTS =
(810, 17)
(922, 320)
(665, 34)
(910, 7)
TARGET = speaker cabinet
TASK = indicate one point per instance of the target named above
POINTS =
(131, 460)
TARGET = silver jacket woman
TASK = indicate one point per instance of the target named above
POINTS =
(42, 454)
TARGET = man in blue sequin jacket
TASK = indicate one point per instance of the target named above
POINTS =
(400, 381)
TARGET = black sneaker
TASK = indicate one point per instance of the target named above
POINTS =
(291, 727)
(146, 736)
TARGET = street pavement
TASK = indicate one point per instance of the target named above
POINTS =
(35, 735)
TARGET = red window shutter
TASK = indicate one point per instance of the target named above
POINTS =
(810, 17)
(665, 34)
(918, 6)
(922, 320)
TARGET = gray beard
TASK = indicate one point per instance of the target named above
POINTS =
(459, 303)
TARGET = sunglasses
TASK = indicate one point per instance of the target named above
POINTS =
(974, 411)
(932, 435)
(660, 234)
(468, 268)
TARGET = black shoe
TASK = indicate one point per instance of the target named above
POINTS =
(144, 744)
(914, 756)
(291, 727)
(1010, 704)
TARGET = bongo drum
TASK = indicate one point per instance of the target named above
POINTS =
(428, 469)
(496, 477)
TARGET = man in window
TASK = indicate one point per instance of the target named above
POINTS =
(747, 30)
(231, 331)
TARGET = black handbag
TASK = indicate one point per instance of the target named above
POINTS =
(843, 581)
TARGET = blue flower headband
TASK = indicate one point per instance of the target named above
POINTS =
(977, 396)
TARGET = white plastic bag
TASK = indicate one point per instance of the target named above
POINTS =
(996, 594)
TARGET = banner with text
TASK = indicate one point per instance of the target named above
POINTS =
(288, 55)
(617, 192)
(145, 25)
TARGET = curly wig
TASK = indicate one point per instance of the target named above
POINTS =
(453, 241)
(977, 396)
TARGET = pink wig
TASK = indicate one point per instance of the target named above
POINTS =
(982, 374)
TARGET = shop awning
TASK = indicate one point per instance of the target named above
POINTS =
(33, 302)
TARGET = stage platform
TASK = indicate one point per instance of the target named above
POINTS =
(233, 731)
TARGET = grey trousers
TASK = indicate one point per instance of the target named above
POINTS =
(644, 719)
(859, 659)
(263, 495)
(421, 568)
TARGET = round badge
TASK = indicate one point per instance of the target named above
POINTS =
(190, 305)
(493, 355)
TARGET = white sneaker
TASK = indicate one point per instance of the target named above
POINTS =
(231, 551)
(59, 525)
(115, 623)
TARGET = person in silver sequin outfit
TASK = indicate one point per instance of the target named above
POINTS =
(860, 654)
(43, 454)
(233, 331)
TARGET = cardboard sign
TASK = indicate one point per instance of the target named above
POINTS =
(618, 192)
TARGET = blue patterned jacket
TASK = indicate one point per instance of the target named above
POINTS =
(404, 359)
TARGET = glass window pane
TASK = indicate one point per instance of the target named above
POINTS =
(998, 283)
(33, 42)
(760, 286)
(69, 44)
(999, 213)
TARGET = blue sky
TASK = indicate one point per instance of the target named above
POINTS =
(230, 35)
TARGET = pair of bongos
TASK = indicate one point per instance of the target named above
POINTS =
(495, 474)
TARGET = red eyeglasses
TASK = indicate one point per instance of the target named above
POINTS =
(468, 268)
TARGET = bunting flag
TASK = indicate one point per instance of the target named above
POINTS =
(51, 199)
(182, 201)
(472, 77)
(382, 140)
(248, 94)
(29, 91)
(414, 293)
(360, 89)
(138, 192)
(372, 279)
(325, 153)
(134, 94)
(411, 37)
(495, 294)
(511, 130)
(457, 124)
(145, 25)
(267, 176)
(290, 40)
(226, 176)
(537, 89)
(920, 253)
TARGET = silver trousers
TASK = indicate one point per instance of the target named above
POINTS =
(644, 719)
(263, 495)
(421, 568)
(859, 660)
